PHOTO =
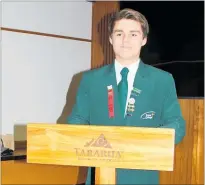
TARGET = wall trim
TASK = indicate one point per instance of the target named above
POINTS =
(45, 34)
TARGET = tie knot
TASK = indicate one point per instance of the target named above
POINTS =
(124, 73)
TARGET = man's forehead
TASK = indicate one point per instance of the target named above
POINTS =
(127, 25)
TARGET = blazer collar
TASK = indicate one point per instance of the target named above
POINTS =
(142, 69)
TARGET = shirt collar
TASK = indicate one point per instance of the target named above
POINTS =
(132, 67)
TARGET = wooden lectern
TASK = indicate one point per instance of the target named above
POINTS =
(103, 147)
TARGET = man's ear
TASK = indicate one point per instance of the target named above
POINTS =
(110, 39)
(144, 41)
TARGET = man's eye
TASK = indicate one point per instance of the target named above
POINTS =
(134, 35)
(119, 34)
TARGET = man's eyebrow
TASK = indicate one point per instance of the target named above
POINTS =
(135, 31)
(118, 31)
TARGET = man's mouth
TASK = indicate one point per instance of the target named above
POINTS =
(125, 47)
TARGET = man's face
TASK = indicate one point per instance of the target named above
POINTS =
(127, 39)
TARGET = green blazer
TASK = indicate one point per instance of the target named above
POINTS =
(156, 105)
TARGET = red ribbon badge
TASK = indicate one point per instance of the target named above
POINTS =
(110, 102)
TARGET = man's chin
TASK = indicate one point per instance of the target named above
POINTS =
(127, 57)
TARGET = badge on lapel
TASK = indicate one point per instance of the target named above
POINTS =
(131, 105)
(132, 101)
(136, 92)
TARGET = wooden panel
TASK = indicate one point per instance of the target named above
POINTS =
(101, 146)
(189, 157)
(102, 52)
(20, 172)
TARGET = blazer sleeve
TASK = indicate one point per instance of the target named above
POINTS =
(80, 113)
(171, 112)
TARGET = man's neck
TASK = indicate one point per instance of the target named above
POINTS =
(126, 63)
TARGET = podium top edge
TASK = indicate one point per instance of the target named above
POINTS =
(98, 126)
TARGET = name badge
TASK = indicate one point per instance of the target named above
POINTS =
(110, 101)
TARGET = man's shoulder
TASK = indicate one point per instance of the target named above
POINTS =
(157, 73)
(160, 77)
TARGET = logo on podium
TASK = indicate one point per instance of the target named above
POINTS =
(98, 149)
(101, 141)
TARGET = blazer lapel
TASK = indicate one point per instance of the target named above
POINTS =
(138, 95)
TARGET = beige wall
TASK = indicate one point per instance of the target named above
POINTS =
(40, 56)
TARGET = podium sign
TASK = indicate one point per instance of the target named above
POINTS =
(107, 147)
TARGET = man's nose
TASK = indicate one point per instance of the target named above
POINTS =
(126, 38)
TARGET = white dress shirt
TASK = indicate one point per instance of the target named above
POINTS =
(130, 77)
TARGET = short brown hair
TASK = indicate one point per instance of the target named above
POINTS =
(129, 14)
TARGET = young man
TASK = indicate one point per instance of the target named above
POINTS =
(144, 96)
